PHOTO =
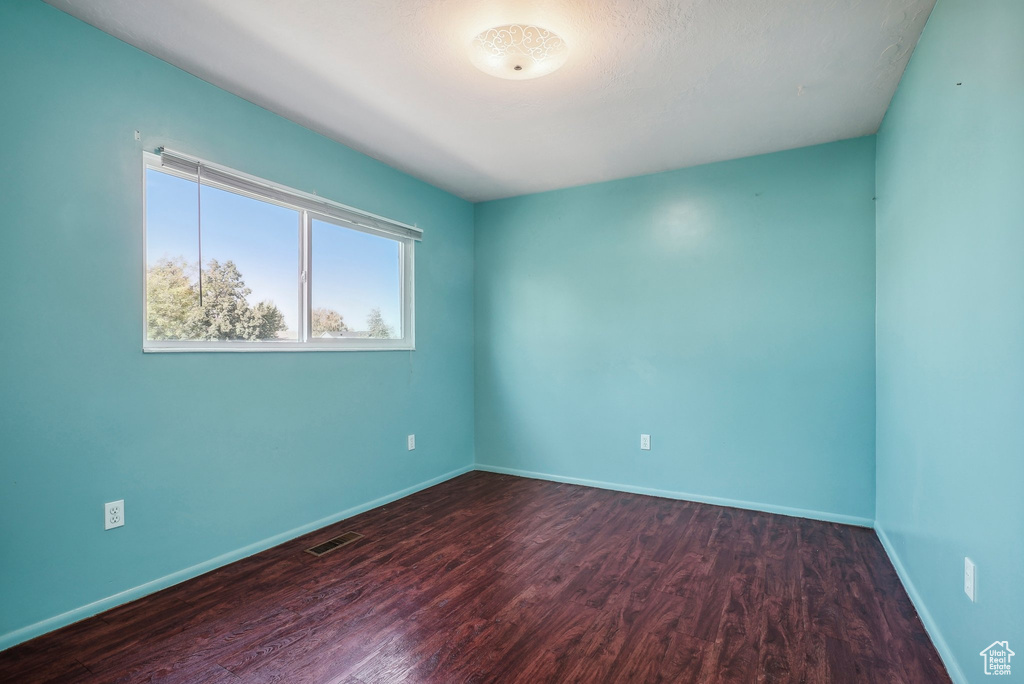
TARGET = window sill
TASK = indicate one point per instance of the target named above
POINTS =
(220, 349)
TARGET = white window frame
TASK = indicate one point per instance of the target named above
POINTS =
(304, 275)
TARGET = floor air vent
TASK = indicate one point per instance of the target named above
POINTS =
(335, 543)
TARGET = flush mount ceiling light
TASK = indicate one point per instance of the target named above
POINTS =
(518, 51)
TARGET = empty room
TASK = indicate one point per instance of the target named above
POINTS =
(515, 341)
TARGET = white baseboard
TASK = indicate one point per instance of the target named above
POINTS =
(685, 496)
(57, 621)
(952, 666)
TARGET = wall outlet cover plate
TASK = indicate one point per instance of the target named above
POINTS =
(113, 514)
(970, 578)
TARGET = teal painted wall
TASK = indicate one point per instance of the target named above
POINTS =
(950, 327)
(211, 452)
(727, 310)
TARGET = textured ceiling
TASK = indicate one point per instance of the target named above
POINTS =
(649, 85)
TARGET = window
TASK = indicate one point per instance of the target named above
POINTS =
(235, 263)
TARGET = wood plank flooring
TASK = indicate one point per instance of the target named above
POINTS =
(493, 578)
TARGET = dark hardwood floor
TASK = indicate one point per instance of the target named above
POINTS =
(497, 578)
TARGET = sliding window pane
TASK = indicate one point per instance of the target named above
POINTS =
(356, 287)
(250, 262)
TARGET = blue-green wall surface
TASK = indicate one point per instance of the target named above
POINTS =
(215, 455)
(727, 310)
(950, 328)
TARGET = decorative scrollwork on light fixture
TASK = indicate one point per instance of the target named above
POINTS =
(518, 51)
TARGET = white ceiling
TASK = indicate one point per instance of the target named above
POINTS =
(649, 85)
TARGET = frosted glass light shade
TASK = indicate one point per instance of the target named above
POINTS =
(518, 52)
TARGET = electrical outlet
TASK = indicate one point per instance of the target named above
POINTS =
(645, 442)
(113, 514)
(969, 578)
(412, 442)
